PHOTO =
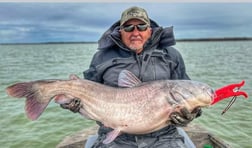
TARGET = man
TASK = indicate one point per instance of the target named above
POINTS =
(136, 43)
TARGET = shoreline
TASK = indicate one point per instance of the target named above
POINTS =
(216, 39)
(178, 40)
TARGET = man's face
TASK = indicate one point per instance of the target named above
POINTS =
(136, 38)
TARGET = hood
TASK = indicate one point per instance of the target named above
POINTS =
(164, 37)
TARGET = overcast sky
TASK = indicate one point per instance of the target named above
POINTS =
(57, 22)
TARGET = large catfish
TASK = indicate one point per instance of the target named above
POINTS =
(138, 108)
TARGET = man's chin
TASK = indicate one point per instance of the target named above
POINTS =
(135, 48)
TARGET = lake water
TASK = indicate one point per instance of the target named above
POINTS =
(215, 63)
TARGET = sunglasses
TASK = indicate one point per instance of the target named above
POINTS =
(130, 28)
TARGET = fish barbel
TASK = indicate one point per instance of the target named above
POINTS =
(138, 108)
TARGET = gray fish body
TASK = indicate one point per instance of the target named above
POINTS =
(139, 109)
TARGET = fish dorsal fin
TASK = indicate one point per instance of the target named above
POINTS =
(127, 79)
(73, 77)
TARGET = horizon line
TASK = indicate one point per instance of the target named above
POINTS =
(179, 40)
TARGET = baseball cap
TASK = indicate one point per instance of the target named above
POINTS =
(134, 13)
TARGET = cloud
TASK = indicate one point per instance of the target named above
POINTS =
(49, 22)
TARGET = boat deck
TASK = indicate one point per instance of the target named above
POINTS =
(200, 137)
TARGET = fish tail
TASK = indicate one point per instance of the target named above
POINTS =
(19, 90)
(33, 107)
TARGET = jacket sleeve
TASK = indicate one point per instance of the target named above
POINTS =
(91, 73)
(180, 70)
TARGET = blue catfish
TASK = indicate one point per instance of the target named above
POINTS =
(137, 108)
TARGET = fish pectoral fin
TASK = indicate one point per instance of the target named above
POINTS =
(111, 136)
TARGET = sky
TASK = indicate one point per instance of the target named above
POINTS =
(36, 22)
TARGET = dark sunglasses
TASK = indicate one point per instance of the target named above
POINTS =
(130, 28)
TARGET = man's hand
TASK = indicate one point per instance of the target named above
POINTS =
(74, 105)
(185, 117)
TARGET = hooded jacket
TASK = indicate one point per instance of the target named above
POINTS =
(158, 61)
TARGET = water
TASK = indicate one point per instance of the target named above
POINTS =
(215, 63)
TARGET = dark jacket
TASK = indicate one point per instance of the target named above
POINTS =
(159, 60)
